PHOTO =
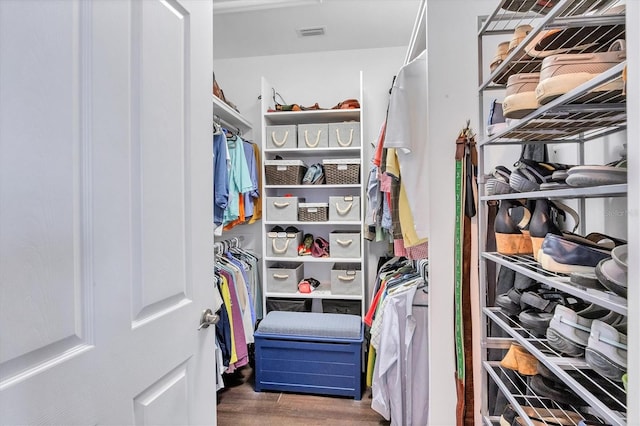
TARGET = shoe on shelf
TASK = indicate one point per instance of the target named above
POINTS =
(555, 390)
(519, 34)
(560, 74)
(502, 51)
(567, 253)
(546, 219)
(586, 280)
(540, 413)
(520, 96)
(511, 224)
(612, 273)
(498, 182)
(538, 307)
(528, 174)
(569, 330)
(496, 122)
(609, 174)
(606, 350)
(520, 360)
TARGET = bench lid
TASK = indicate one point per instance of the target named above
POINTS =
(311, 324)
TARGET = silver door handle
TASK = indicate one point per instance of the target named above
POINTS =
(208, 318)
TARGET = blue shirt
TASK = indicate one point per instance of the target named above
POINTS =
(220, 178)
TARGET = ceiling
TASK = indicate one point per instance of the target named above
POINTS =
(244, 28)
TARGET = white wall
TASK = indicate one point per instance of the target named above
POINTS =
(323, 77)
(453, 98)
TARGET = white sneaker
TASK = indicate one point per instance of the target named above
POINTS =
(606, 350)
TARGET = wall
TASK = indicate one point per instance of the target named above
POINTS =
(452, 83)
(323, 77)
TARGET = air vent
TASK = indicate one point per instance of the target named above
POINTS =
(311, 31)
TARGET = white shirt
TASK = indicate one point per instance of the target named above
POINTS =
(400, 387)
(407, 132)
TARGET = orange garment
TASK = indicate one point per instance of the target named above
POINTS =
(240, 220)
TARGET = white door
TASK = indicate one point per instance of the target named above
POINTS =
(105, 212)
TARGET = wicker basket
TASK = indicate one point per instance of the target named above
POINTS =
(344, 171)
(284, 172)
(313, 212)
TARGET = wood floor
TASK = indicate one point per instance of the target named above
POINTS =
(239, 404)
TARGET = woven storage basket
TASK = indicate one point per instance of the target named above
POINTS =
(284, 172)
(343, 171)
(313, 212)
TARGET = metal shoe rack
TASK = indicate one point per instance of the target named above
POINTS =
(576, 117)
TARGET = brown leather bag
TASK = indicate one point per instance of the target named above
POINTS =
(348, 104)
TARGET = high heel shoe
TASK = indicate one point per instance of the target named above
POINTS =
(512, 237)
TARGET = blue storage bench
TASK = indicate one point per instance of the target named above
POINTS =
(309, 352)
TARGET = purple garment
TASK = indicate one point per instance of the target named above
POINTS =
(236, 319)
(220, 178)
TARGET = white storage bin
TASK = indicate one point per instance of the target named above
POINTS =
(280, 137)
(344, 208)
(344, 244)
(282, 208)
(283, 244)
(346, 279)
(344, 135)
(313, 135)
(284, 277)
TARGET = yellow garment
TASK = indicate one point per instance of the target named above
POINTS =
(409, 235)
(371, 362)
(226, 296)
(257, 203)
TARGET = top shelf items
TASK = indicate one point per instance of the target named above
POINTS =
(590, 106)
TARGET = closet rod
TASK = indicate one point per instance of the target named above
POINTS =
(223, 123)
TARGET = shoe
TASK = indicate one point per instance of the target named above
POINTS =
(509, 302)
(304, 249)
(546, 220)
(538, 308)
(502, 51)
(586, 280)
(518, 5)
(496, 122)
(308, 285)
(566, 254)
(612, 273)
(529, 174)
(554, 390)
(520, 96)
(498, 182)
(314, 175)
(560, 74)
(511, 235)
(574, 40)
(609, 174)
(606, 350)
(569, 331)
(519, 34)
(539, 415)
(520, 360)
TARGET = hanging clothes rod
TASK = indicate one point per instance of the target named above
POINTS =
(220, 247)
(226, 124)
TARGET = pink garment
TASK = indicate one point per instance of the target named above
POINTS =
(421, 251)
(398, 248)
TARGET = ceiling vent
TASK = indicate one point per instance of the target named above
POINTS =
(311, 31)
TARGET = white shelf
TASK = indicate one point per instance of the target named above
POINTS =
(298, 223)
(229, 116)
(618, 190)
(313, 116)
(314, 187)
(311, 259)
(317, 294)
(314, 151)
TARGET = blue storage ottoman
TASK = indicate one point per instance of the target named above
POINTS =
(309, 352)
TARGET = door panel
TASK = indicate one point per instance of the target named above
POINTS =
(44, 293)
(159, 64)
(106, 256)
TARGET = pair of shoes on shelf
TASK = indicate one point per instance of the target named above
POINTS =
(314, 175)
(559, 74)
(538, 306)
(569, 330)
(540, 412)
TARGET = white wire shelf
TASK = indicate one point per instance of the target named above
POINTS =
(606, 398)
(527, 265)
(602, 191)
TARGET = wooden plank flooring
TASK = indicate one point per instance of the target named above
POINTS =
(239, 405)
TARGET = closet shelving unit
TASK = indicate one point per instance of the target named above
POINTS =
(319, 268)
(576, 117)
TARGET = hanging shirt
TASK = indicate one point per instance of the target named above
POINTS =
(239, 178)
(407, 131)
(251, 195)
